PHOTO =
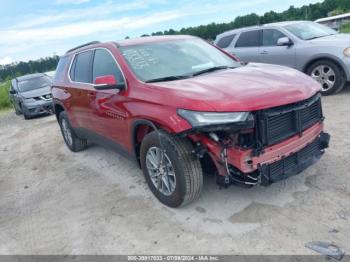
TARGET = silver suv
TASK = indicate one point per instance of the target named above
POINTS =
(31, 95)
(309, 47)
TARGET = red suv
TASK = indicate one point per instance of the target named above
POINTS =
(183, 108)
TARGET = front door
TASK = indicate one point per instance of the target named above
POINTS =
(109, 114)
(271, 53)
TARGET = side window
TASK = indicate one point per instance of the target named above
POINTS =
(81, 69)
(271, 36)
(59, 74)
(225, 41)
(249, 39)
(104, 64)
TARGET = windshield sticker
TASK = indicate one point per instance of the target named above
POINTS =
(140, 58)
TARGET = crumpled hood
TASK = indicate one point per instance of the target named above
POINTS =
(247, 88)
(37, 92)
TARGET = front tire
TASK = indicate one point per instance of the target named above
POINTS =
(175, 178)
(24, 111)
(329, 75)
(17, 109)
(73, 142)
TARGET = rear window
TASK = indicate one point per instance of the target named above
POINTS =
(59, 75)
(225, 41)
(249, 39)
(81, 69)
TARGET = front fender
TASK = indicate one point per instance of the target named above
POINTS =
(162, 116)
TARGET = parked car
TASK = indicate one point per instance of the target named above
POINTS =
(51, 74)
(181, 107)
(31, 95)
(309, 47)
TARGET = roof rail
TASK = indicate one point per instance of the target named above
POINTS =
(80, 46)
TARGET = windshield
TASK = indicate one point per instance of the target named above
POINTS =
(34, 83)
(171, 60)
(309, 30)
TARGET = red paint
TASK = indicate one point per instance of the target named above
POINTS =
(111, 113)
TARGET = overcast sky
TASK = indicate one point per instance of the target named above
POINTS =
(39, 28)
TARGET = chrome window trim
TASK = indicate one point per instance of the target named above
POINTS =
(93, 49)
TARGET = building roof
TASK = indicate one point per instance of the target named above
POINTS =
(330, 18)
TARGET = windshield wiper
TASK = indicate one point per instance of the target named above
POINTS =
(211, 69)
(167, 78)
(172, 78)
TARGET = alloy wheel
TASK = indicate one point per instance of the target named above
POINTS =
(161, 170)
(325, 75)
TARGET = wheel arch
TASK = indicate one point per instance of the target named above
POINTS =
(330, 58)
(58, 108)
(140, 128)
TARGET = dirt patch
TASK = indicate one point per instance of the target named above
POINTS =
(53, 201)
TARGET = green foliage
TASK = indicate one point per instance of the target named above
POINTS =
(306, 12)
(337, 11)
(24, 68)
(4, 95)
(345, 28)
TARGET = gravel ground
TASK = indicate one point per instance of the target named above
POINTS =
(53, 201)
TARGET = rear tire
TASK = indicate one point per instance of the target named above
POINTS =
(329, 75)
(73, 142)
(179, 161)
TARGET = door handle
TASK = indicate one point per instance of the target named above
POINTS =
(264, 52)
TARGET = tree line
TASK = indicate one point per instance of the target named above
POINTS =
(208, 32)
(306, 12)
(22, 68)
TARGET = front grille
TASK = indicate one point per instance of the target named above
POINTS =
(280, 123)
(289, 165)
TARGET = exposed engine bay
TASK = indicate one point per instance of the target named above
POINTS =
(265, 146)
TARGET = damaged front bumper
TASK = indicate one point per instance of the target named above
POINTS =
(274, 163)
(295, 163)
(38, 108)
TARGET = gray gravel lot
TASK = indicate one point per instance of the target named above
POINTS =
(53, 201)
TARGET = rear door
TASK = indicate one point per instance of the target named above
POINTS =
(109, 114)
(81, 89)
(271, 53)
(247, 46)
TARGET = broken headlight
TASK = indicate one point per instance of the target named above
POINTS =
(202, 119)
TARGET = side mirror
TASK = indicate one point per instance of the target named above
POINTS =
(12, 91)
(284, 41)
(107, 82)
